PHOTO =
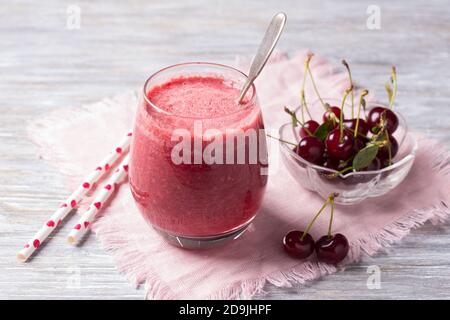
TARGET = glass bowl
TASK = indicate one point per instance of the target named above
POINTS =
(352, 187)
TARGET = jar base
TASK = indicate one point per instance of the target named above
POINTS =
(201, 242)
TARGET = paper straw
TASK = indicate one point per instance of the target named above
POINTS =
(104, 194)
(74, 199)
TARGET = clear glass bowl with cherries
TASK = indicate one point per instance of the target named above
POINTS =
(349, 148)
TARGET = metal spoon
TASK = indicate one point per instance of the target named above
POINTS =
(265, 49)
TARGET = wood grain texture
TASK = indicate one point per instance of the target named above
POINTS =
(45, 66)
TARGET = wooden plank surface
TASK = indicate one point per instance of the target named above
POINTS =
(45, 66)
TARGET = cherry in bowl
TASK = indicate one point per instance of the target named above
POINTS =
(340, 147)
(379, 116)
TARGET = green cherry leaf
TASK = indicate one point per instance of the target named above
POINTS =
(365, 157)
(375, 129)
(323, 130)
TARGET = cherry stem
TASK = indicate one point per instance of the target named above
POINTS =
(382, 126)
(336, 174)
(358, 133)
(364, 93)
(331, 198)
(389, 147)
(313, 82)
(281, 140)
(341, 116)
(301, 109)
(394, 82)
(304, 105)
(351, 84)
(294, 117)
(378, 143)
(314, 219)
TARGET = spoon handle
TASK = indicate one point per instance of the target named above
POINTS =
(265, 49)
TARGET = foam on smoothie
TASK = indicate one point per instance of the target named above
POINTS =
(196, 96)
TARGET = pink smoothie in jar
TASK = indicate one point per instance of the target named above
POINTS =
(198, 166)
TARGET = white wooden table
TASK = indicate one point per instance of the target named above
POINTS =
(45, 66)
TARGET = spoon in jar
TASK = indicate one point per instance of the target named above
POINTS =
(265, 49)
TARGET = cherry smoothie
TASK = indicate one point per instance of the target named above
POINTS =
(197, 198)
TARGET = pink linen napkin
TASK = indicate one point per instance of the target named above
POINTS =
(75, 139)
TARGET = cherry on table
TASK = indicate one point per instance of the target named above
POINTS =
(374, 118)
(332, 249)
(310, 126)
(297, 247)
(363, 127)
(311, 149)
(338, 149)
(331, 110)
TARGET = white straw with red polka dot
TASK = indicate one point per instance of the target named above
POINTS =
(74, 199)
(80, 228)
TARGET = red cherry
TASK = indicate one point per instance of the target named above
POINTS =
(332, 249)
(385, 163)
(311, 149)
(359, 143)
(383, 152)
(311, 126)
(363, 178)
(338, 149)
(363, 128)
(331, 110)
(331, 163)
(297, 247)
(374, 118)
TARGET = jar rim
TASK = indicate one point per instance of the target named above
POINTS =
(246, 106)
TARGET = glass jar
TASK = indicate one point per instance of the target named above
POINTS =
(198, 175)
